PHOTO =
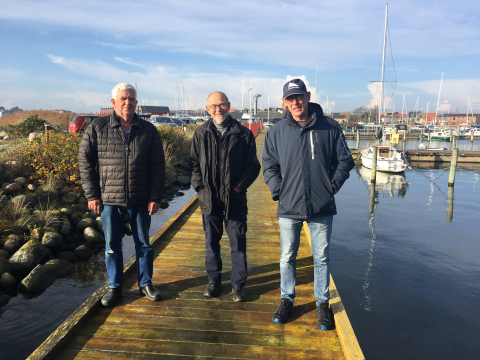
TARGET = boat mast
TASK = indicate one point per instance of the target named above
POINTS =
(426, 116)
(438, 101)
(382, 85)
(243, 92)
(468, 105)
(316, 83)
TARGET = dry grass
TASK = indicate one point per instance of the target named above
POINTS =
(11, 161)
(16, 209)
(45, 217)
(50, 116)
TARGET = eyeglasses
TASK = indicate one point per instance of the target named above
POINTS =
(222, 106)
(299, 98)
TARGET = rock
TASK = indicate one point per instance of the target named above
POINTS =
(167, 185)
(34, 135)
(83, 252)
(37, 281)
(85, 223)
(27, 257)
(58, 267)
(68, 211)
(163, 204)
(31, 187)
(25, 224)
(89, 215)
(2, 242)
(5, 225)
(20, 181)
(6, 137)
(7, 281)
(56, 213)
(49, 197)
(52, 240)
(3, 133)
(12, 188)
(66, 227)
(82, 200)
(127, 229)
(67, 256)
(11, 246)
(50, 229)
(75, 216)
(37, 234)
(69, 199)
(99, 223)
(4, 254)
(4, 299)
(183, 180)
(4, 266)
(92, 236)
(83, 208)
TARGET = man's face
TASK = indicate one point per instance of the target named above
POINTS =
(218, 107)
(297, 105)
(125, 104)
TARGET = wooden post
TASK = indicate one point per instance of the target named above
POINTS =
(471, 138)
(358, 138)
(46, 132)
(453, 167)
(428, 135)
(453, 141)
(450, 204)
(373, 179)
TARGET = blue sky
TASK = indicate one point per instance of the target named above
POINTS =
(70, 54)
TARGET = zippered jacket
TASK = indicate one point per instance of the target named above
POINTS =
(118, 173)
(304, 167)
(240, 168)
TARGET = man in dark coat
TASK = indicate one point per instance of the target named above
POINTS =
(305, 162)
(223, 163)
(122, 167)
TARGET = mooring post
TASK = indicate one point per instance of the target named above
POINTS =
(453, 167)
(453, 141)
(428, 134)
(358, 138)
(471, 137)
(373, 178)
(450, 204)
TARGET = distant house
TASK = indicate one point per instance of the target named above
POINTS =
(141, 109)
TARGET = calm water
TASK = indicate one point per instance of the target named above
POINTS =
(26, 323)
(410, 279)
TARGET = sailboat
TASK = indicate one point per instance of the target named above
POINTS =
(388, 158)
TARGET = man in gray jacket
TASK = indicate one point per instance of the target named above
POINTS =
(305, 162)
(122, 167)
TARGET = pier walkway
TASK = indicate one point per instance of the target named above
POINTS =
(186, 325)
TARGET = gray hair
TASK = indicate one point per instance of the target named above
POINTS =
(123, 86)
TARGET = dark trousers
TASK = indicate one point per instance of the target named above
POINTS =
(236, 230)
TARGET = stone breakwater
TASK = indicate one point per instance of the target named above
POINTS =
(54, 231)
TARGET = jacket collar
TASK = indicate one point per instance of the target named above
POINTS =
(115, 121)
(233, 126)
(315, 112)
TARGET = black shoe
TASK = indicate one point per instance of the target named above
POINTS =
(239, 294)
(111, 296)
(150, 292)
(325, 318)
(212, 289)
(280, 315)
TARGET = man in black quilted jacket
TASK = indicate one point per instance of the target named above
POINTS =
(223, 163)
(122, 167)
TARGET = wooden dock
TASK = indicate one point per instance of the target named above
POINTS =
(185, 324)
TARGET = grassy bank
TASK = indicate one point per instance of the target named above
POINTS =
(52, 117)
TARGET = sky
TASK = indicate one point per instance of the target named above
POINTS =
(70, 54)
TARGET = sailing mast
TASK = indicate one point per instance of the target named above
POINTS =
(316, 83)
(438, 101)
(382, 85)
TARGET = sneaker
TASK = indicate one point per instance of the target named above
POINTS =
(212, 289)
(325, 318)
(239, 294)
(280, 315)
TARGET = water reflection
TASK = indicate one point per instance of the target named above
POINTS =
(391, 184)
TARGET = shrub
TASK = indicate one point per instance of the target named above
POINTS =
(30, 124)
(57, 157)
(11, 161)
(176, 143)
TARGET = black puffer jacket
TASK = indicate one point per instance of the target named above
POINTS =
(117, 173)
(241, 167)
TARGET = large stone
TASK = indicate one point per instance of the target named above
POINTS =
(51, 228)
(27, 257)
(85, 223)
(92, 236)
(34, 135)
(12, 188)
(68, 210)
(6, 225)
(20, 181)
(52, 240)
(183, 180)
(11, 246)
(4, 266)
(18, 238)
(75, 216)
(88, 215)
(83, 208)
(7, 281)
(31, 187)
(37, 281)
(99, 223)
(25, 199)
(163, 204)
(66, 227)
(3, 133)
(69, 199)
(82, 200)
(58, 267)
(67, 256)
(167, 185)
(4, 254)
(83, 252)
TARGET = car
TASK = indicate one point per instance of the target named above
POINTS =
(179, 122)
(162, 120)
(80, 122)
(189, 121)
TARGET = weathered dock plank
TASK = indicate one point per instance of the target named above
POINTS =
(185, 324)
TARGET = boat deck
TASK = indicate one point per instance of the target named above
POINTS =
(185, 324)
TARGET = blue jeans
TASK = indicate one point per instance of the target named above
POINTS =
(320, 230)
(113, 220)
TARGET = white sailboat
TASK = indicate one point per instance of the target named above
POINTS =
(388, 158)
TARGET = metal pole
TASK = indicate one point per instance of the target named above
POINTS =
(382, 86)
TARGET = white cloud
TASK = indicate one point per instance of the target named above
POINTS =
(129, 62)
(445, 106)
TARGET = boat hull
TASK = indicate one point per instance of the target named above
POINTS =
(391, 165)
